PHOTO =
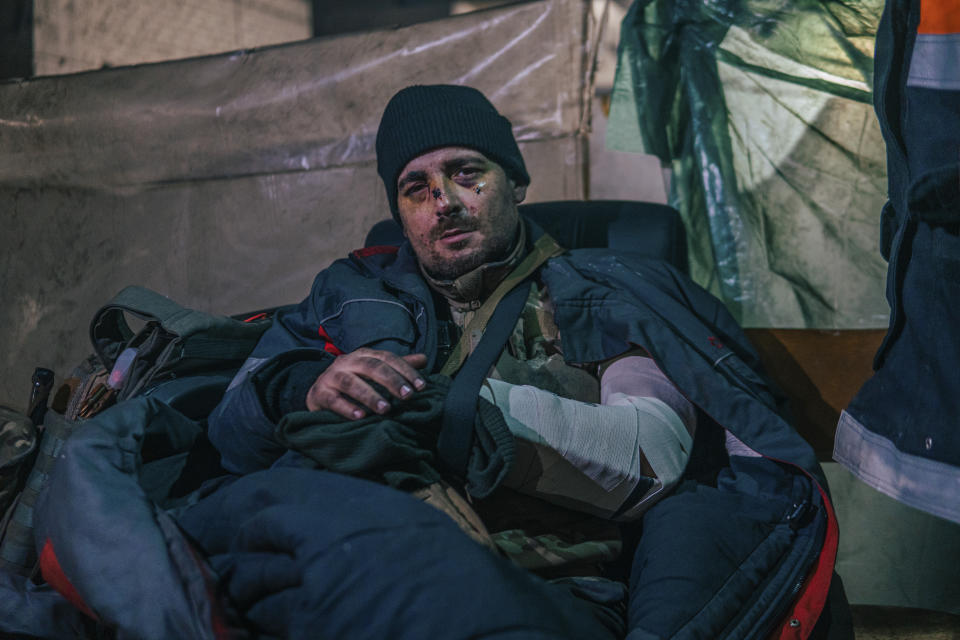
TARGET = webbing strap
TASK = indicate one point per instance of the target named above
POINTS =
(543, 249)
(495, 320)
(460, 407)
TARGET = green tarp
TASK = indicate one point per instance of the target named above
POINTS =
(762, 110)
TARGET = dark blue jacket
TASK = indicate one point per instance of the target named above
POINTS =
(743, 553)
(899, 433)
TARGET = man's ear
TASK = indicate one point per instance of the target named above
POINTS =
(519, 192)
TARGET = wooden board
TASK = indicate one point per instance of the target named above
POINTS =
(820, 371)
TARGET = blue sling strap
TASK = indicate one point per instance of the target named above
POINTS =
(456, 436)
(503, 309)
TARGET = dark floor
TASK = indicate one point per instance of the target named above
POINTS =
(893, 623)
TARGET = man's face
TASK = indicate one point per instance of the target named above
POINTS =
(459, 210)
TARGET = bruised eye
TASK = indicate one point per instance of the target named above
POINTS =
(412, 190)
(467, 173)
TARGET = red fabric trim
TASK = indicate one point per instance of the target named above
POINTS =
(329, 347)
(218, 621)
(809, 603)
(262, 314)
(939, 16)
(813, 595)
(53, 573)
(372, 251)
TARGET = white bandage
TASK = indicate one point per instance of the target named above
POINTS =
(586, 456)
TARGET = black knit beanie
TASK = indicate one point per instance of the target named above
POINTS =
(425, 117)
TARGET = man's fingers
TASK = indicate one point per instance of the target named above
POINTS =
(346, 409)
(397, 374)
(407, 367)
(416, 361)
(357, 389)
(345, 387)
(326, 394)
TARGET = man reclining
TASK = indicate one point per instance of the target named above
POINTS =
(633, 442)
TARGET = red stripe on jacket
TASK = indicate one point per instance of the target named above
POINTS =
(53, 573)
(372, 251)
(809, 603)
(328, 345)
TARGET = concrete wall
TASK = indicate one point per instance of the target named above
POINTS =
(75, 35)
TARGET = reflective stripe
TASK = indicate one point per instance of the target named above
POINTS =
(939, 16)
(248, 366)
(924, 484)
(935, 62)
(356, 300)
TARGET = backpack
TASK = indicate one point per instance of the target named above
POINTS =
(181, 356)
(18, 442)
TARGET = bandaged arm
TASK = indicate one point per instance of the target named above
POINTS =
(613, 460)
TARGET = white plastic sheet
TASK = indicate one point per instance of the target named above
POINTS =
(227, 182)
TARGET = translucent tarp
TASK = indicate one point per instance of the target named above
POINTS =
(762, 109)
(227, 182)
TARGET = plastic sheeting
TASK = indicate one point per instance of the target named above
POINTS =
(763, 112)
(227, 182)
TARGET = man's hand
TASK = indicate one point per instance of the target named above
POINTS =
(344, 389)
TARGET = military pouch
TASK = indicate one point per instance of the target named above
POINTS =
(17, 551)
(173, 341)
(18, 441)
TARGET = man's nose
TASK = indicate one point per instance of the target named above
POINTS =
(445, 198)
